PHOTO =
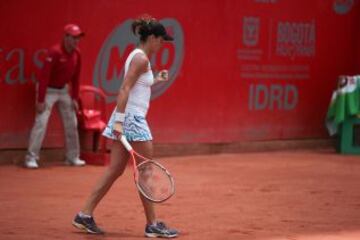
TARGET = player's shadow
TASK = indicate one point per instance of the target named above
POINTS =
(107, 235)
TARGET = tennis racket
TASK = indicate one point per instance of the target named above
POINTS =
(152, 179)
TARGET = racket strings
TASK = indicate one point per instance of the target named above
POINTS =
(154, 181)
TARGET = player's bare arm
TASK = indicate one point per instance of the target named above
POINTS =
(138, 66)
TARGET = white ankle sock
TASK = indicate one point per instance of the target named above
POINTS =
(81, 214)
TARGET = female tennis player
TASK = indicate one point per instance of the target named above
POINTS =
(129, 118)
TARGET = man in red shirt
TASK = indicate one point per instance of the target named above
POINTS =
(61, 70)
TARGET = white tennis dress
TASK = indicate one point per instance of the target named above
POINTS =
(135, 126)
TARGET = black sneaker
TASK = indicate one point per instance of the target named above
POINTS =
(160, 230)
(86, 223)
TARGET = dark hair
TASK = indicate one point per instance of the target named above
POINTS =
(146, 25)
(142, 26)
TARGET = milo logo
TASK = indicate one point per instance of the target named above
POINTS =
(110, 63)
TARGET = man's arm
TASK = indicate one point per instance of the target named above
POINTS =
(44, 79)
(45, 75)
(75, 81)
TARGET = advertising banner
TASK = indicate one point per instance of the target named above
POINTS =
(240, 70)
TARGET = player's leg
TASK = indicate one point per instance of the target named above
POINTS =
(145, 148)
(153, 228)
(118, 161)
(69, 120)
(38, 131)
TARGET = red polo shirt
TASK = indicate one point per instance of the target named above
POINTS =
(59, 69)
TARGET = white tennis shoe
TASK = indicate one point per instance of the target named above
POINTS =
(31, 163)
(75, 162)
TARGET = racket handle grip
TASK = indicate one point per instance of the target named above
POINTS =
(126, 143)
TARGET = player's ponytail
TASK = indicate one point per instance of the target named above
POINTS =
(142, 26)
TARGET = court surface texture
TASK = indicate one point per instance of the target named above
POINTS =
(280, 195)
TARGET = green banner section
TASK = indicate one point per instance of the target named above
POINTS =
(345, 102)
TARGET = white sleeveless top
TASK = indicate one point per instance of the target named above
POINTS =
(139, 96)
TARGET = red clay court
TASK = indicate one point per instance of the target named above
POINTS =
(282, 195)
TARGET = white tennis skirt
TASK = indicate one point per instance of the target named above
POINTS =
(135, 128)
